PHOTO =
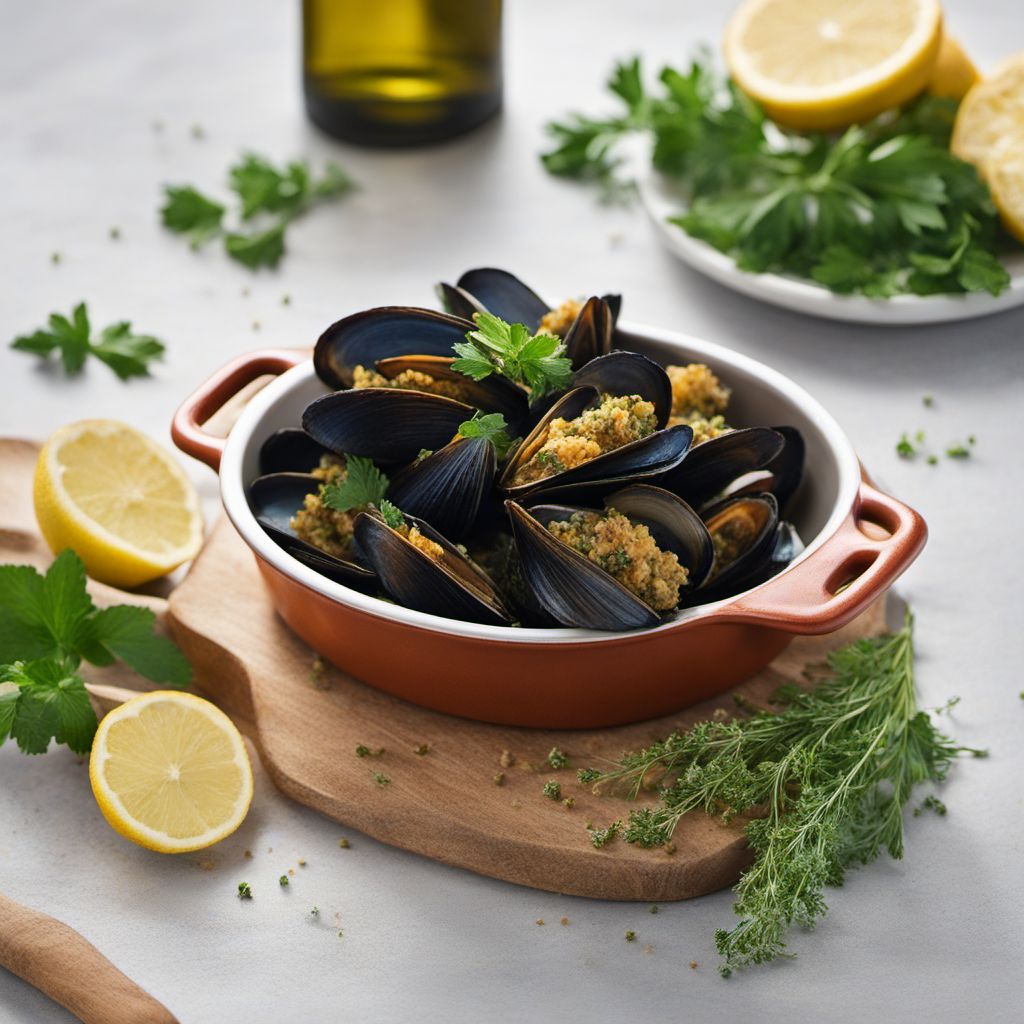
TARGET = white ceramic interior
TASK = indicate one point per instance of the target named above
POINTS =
(662, 201)
(760, 396)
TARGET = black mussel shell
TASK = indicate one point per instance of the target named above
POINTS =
(290, 450)
(504, 295)
(363, 339)
(274, 499)
(458, 302)
(648, 457)
(453, 587)
(614, 305)
(384, 424)
(447, 487)
(629, 373)
(757, 516)
(787, 468)
(492, 394)
(591, 332)
(711, 466)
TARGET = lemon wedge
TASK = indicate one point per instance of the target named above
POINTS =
(953, 72)
(170, 772)
(117, 499)
(825, 64)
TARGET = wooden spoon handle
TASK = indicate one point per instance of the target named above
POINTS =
(58, 961)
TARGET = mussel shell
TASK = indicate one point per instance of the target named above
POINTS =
(570, 587)
(363, 339)
(492, 394)
(711, 466)
(504, 295)
(650, 456)
(591, 332)
(761, 511)
(447, 488)
(290, 450)
(458, 302)
(274, 499)
(456, 589)
(629, 373)
(787, 468)
(384, 424)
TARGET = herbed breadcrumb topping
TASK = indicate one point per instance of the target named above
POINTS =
(617, 421)
(323, 527)
(409, 380)
(704, 429)
(695, 389)
(557, 321)
(420, 540)
(627, 552)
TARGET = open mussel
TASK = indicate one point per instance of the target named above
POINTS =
(290, 450)
(543, 458)
(384, 424)
(274, 499)
(419, 568)
(623, 568)
(363, 339)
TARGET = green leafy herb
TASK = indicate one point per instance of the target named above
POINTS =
(48, 625)
(558, 758)
(364, 751)
(603, 836)
(283, 882)
(552, 790)
(831, 772)
(884, 209)
(491, 427)
(630, 935)
(392, 515)
(381, 779)
(127, 354)
(244, 891)
(274, 194)
(534, 360)
(904, 447)
(958, 451)
(364, 485)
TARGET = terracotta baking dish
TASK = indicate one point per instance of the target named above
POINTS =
(565, 678)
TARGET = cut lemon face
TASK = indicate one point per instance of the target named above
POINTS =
(954, 72)
(117, 499)
(170, 772)
(825, 64)
(1006, 182)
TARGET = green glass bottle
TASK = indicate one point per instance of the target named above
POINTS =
(401, 72)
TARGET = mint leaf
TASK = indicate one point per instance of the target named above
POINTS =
(188, 212)
(364, 484)
(260, 249)
(52, 703)
(127, 632)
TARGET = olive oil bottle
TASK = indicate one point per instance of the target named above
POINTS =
(401, 72)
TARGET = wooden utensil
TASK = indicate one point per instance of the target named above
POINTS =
(58, 961)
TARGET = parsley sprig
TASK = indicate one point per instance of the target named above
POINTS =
(126, 353)
(884, 209)
(364, 485)
(48, 626)
(491, 427)
(832, 772)
(536, 361)
(275, 195)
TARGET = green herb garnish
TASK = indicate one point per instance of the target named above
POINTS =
(276, 195)
(364, 751)
(904, 448)
(552, 790)
(364, 485)
(244, 891)
(882, 210)
(958, 451)
(630, 935)
(603, 836)
(491, 427)
(381, 779)
(558, 758)
(127, 354)
(283, 882)
(391, 514)
(832, 772)
(48, 625)
(533, 360)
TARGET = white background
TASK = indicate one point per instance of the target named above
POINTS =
(936, 937)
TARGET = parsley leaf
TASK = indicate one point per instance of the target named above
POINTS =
(491, 427)
(188, 212)
(392, 515)
(364, 484)
(127, 354)
(259, 249)
(536, 361)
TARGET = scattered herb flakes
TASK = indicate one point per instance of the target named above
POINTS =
(654, 909)
(344, 843)
(904, 448)
(931, 803)
(197, 132)
(244, 891)
(928, 401)
(557, 758)
(315, 912)
(552, 790)
(318, 674)
(932, 460)
(283, 881)
(115, 234)
(630, 935)
(422, 750)
(55, 258)
(499, 777)
(286, 300)
(603, 836)
(364, 751)
(381, 779)
(569, 803)
(958, 451)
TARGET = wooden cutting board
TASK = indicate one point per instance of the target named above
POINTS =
(445, 804)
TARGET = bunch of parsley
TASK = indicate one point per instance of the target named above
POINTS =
(275, 195)
(48, 626)
(826, 780)
(883, 209)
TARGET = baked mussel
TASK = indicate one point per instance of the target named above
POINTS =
(624, 566)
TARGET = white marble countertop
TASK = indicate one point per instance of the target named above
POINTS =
(935, 937)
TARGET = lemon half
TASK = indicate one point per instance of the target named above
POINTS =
(118, 499)
(170, 772)
(825, 64)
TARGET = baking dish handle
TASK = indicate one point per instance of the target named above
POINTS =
(187, 427)
(839, 580)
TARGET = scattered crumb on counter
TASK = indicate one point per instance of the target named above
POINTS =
(654, 909)
(302, 862)
(344, 843)
(248, 854)
(648, 948)
(693, 965)
(569, 803)
(206, 865)
(499, 779)
(507, 759)
(540, 920)
(564, 921)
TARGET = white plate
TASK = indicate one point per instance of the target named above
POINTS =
(662, 202)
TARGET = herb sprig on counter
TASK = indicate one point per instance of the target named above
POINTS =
(277, 195)
(126, 353)
(884, 209)
(513, 351)
(830, 772)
